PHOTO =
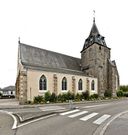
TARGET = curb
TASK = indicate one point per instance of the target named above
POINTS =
(22, 120)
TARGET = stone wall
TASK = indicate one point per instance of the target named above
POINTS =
(94, 63)
(113, 77)
(21, 87)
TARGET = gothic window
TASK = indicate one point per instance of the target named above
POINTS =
(80, 85)
(64, 83)
(92, 85)
(43, 83)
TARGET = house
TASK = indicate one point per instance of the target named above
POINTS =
(8, 91)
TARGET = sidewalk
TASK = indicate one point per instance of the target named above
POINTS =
(14, 104)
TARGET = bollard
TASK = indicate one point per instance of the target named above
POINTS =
(70, 104)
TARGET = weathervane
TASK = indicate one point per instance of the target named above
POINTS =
(93, 15)
(19, 40)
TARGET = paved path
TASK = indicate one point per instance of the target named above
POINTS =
(9, 102)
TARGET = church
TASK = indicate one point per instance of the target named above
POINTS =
(40, 70)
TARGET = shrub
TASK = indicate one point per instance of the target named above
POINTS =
(53, 98)
(124, 88)
(85, 95)
(38, 99)
(125, 94)
(108, 93)
(120, 93)
(94, 96)
(70, 96)
(59, 98)
(78, 97)
(47, 96)
(63, 97)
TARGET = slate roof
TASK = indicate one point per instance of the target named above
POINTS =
(41, 59)
(9, 88)
(94, 29)
(94, 37)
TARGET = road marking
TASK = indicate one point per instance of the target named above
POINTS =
(69, 112)
(51, 108)
(102, 128)
(88, 116)
(14, 118)
(101, 119)
(95, 105)
(77, 114)
(24, 124)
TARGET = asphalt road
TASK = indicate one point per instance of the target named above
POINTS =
(6, 123)
(91, 119)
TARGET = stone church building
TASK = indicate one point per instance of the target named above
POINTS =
(41, 70)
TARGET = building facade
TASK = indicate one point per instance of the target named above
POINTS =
(8, 92)
(42, 70)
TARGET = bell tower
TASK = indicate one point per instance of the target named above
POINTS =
(94, 58)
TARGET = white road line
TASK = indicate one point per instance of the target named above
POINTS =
(92, 106)
(14, 118)
(50, 108)
(102, 128)
(69, 112)
(24, 124)
(77, 114)
(101, 119)
(88, 116)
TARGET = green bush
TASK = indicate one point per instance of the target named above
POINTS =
(94, 96)
(85, 95)
(124, 88)
(59, 98)
(70, 96)
(47, 97)
(125, 94)
(38, 99)
(108, 93)
(78, 97)
(53, 98)
(120, 93)
(64, 97)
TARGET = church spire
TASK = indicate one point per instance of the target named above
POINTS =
(93, 16)
(19, 40)
(94, 36)
(94, 29)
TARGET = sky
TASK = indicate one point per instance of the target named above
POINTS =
(61, 26)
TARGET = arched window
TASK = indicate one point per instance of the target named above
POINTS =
(64, 83)
(80, 85)
(92, 85)
(43, 83)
